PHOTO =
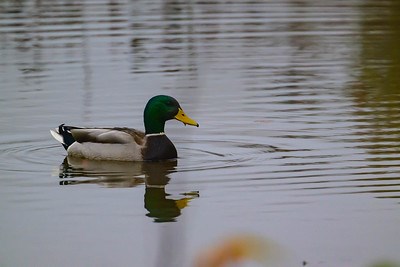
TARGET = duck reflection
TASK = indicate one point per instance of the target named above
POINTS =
(113, 174)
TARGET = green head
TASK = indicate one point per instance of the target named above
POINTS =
(161, 108)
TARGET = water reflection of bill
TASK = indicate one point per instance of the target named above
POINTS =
(114, 174)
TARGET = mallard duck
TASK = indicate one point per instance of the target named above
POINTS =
(127, 144)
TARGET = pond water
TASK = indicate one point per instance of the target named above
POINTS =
(299, 140)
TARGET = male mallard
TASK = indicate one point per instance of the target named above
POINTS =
(127, 144)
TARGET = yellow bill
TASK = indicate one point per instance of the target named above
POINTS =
(182, 203)
(181, 116)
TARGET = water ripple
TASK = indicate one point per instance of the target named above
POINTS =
(25, 156)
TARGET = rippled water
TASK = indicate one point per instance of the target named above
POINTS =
(299, 138)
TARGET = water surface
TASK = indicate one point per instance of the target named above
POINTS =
(298, 104)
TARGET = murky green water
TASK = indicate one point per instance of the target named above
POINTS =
(299, 139)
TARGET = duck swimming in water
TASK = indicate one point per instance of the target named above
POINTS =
(127, 144)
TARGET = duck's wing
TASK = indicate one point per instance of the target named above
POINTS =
(107, 135)
(122, 144)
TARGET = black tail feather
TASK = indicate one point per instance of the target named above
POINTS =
(65, 132)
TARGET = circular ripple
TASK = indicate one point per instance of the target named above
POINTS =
(210, 154)
(27, 156)
(35, 155)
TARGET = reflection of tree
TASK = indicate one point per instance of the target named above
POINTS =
(41, 35)
(160, 206)
(377, 90)
(31, 34)
(177, 48)
(380, 52)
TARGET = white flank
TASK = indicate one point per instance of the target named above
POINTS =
(99, 151)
